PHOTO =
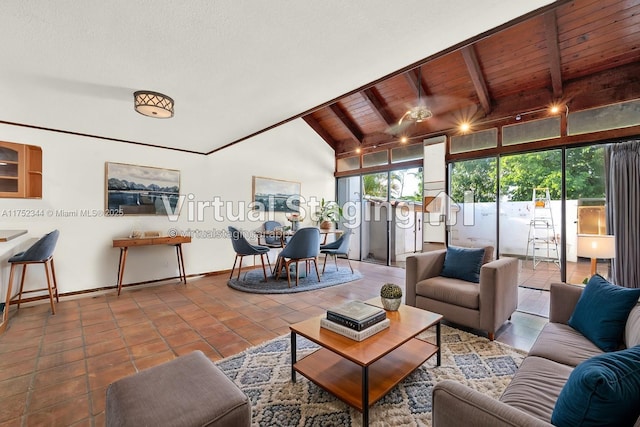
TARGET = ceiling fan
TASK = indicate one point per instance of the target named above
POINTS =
(419, 112)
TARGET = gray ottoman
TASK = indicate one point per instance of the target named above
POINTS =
(187, 391)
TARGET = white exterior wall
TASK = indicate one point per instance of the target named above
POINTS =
(515, 218)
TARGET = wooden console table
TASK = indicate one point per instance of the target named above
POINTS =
(125, 243)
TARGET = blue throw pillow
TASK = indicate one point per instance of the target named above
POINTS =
(601, 312)
(601, 391)
(463, 263)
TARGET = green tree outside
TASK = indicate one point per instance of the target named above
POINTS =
(521, 173)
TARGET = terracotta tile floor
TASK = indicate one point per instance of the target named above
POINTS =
(54, 370)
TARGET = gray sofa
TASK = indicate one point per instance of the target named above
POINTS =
(484, 306)
(530, 398)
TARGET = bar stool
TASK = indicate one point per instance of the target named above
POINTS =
(41, 252)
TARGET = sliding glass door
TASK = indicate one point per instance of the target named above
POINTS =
(534, 222)
(405, 193)
(472, 220)
(375, 218)
(531, 215)
(351, 202)
(586, 212)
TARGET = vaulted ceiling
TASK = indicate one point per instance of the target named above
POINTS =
(234, 68)
(582, 54)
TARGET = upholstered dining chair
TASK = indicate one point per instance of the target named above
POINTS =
(271, 240)
(303, 246)
(340, 246)
(41, 252)
(244, 248)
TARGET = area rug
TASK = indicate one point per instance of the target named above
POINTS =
(264, 374)
(253, 281)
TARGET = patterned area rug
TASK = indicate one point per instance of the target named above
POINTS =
(264, 374)
(253, 281)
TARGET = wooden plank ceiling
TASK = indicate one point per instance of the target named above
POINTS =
(583, 54)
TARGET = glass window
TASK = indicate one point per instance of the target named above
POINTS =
(610, 117)
(348, 163)
(472, 188)
(586, 212)
(474, 141)
(531, 215)
(404, 154)
(535, 130)
(378, 158)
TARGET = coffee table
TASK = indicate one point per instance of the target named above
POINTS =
(361, 372)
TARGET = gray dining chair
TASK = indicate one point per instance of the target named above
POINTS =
(244, 248)
(303, 246)
(41, 252)
(339, 247)
(271, 240)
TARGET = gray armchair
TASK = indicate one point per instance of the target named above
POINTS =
(484, 306)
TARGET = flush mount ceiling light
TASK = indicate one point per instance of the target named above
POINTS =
(153, 104)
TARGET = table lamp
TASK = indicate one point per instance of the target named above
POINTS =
(596, 246)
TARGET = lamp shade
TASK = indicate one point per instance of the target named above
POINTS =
(153, 104)
(596, 246)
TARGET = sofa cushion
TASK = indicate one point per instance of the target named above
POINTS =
(451, 291)
(463, 263)
(601, 391)
(632, 329)
(602, 310)
(563, 344)
(536, 385)
(488, 255)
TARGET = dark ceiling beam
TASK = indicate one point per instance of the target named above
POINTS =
(416, 83)
(475, 72)
(317, 127)
(378, 106)
(555, 69)
(353, 129)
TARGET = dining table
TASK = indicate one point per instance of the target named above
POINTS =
(283, 235)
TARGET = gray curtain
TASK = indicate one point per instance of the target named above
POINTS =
(623, 210)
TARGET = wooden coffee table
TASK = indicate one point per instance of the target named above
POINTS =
(361, 372)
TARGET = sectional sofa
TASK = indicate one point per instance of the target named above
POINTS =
(532, 395)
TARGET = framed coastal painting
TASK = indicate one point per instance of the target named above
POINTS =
(141, 190)
(276, 194)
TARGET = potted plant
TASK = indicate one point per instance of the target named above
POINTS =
(328, 214)
(391, 296)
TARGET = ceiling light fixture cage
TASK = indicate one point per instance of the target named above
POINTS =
(153, 104)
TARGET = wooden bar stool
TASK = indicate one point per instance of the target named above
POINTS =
(41, 252)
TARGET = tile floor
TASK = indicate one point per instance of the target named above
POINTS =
(54, 370)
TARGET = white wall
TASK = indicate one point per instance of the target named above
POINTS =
(74, 179)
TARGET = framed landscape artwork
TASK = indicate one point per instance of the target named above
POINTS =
(141, 190)
(276, 194)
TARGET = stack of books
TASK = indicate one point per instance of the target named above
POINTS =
(356, 320)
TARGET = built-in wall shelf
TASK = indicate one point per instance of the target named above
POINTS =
(20, 170)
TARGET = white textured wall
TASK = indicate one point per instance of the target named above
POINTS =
(74, 179)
